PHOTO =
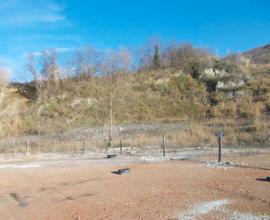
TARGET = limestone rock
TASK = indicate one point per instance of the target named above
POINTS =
(230, 84)
(213, 74)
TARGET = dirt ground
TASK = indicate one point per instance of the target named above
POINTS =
(172, 189)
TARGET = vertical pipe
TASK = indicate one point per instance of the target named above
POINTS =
(219, 149)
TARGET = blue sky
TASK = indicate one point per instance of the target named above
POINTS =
(33, 25)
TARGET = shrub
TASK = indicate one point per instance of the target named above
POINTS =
(227, 66)
(188, 87)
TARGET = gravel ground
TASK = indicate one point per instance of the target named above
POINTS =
(87, 188)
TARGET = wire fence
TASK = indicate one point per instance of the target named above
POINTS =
(147, 141)
(83, 144)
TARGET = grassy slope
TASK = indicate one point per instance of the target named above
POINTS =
(157, 96)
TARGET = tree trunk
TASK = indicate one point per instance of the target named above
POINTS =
(110, 113)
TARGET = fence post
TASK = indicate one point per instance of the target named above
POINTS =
(121, 148)
(27, 146)
(54, 146)
(83, 145)
(8, 151)
(163, 145)
(219, 149)
(219, 135)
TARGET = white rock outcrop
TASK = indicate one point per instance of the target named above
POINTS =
(211, 73)
(230, 84)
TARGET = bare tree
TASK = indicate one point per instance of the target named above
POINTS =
(187, 58)
(50, 69)
(85, 62)
(115, 66)
(150, 54)
(31, 67)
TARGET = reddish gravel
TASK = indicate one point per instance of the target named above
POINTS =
(162, 190)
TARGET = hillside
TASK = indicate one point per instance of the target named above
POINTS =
(220, 94)
(259, 55)
(12, 107)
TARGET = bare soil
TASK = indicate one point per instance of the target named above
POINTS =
(87, 189)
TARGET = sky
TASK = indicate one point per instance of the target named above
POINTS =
(30, 26)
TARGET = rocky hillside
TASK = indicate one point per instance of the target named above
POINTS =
(259, 55)
(211, 90)
(12, 106)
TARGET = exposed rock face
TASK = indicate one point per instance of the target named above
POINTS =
(220, 80)
(161, 82)
(235, 94)
(230, 85)
(12, 105)
(213, 74)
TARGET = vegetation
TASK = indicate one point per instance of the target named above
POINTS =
(108, 88)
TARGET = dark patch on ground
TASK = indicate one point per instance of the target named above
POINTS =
(21, 201)
(267, 179)
(46, 188)
(87, 195)
(84, 181)
(80, 182)
(109, 156)
(121, 171)
(70, 198)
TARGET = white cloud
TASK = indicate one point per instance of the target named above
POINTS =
(65, 49)
(27, 19)
(59, 50)
(27, 12)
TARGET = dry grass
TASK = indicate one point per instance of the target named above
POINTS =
(258, 125)
(160, 96)
(196, 134)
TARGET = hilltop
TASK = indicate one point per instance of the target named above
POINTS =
(259, 55)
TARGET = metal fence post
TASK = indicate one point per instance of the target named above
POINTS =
(219, 135)
(54, 145)
(219, 149)
(163, 145)
(8, 151)
(83, 145)
(27, 146)
(120, 143)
